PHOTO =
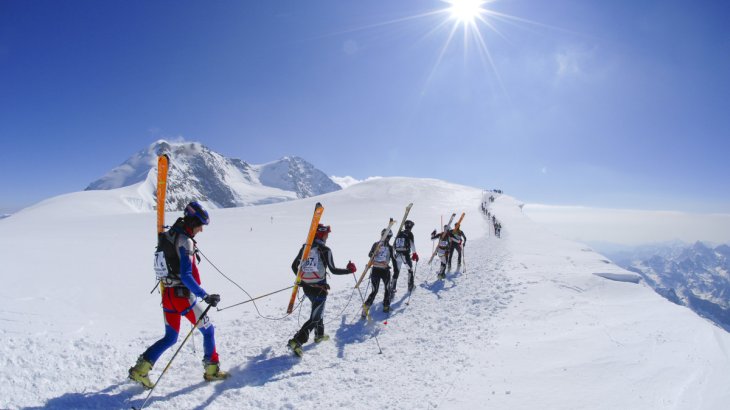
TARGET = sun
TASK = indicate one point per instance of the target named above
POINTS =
(466, 11)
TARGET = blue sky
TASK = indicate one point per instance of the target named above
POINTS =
(579, 102)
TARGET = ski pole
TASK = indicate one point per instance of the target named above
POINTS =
(377, 342)
(155, 287)
(415, 268)
(174, 355)
(463, 257)
(256, 298)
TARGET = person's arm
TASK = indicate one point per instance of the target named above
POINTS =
(186, 272)
(331, 264)
(297, 260)
(392, 257)
(372, 250)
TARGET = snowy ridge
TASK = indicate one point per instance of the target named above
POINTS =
(297, 175)
(198, 173)
(526, 325)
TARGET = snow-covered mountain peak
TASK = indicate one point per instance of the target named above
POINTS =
(198, 173)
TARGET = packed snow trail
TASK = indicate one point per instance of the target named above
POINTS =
(427, 347)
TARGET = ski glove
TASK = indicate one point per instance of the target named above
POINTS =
(414, 257)
(433, 233)
(351, 267)
(212, 299)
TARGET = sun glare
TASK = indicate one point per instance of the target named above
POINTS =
(466, 11)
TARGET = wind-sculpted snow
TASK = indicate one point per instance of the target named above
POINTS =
(524, 325)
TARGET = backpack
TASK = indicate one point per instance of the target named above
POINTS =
(402, 242)
(167, 263)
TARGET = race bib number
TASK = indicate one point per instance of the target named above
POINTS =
(160, 265)
(311, 265)
(382, 255)
(400, 244)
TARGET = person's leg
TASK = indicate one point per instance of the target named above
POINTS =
(385, 277)
(375, 284)
(302, 336)
(317, 317)
(210, 354)
(399, 259)
(171, 307)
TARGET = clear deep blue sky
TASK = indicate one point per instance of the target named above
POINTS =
(592, 102)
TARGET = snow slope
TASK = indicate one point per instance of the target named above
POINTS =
(526, 324)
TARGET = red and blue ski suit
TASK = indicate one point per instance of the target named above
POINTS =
(179, 292)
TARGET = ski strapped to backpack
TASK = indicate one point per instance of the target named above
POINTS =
(461, 218)
(162, 168)
(160, 263)
(400, 229)
(443, 236)
(375, 251)
(405, 216)
(318, 210)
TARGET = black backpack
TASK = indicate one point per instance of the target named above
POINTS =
(167, 260)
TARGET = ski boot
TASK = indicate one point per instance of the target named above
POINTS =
(140, 372)
(322, 338)
(386, 309)
(365, 310)
(295, 347)
(442, 275)
(213, 372)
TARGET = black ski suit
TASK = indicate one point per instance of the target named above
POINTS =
(457, 241)
(404, 246)
(381, 271)
(442, 249)
(315, 287)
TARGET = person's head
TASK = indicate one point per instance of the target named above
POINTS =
(446, 228)
(408, 225)
(323, 232)
(388, 236)
(195, 216)
(457, 227)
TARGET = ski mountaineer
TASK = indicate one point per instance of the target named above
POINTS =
(180, 288)
(457, 242)
(442, 250)
(380, 271)
(315, 287)
(405, 252)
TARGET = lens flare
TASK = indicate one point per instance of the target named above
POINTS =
(466, 11)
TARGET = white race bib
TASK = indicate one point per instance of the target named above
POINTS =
(310, 267)
(382, 255)
(160, 265)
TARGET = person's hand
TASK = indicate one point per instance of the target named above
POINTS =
(212, 299)
(414, 257)
(351, 267)
(433, 233)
